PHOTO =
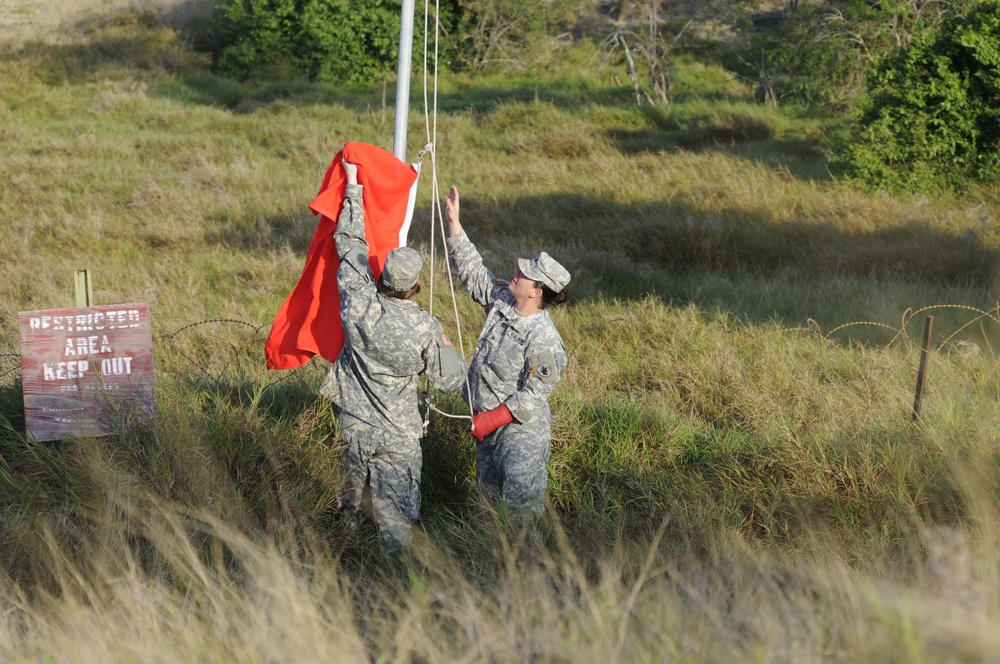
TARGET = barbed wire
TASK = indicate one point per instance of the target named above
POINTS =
(235, 321)
(812, 327)
(15, 359)
(171, 335)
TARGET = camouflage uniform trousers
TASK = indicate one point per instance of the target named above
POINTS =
(512, 464)
(389, 466)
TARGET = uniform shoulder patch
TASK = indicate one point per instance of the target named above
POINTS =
(543, 365)
(450, 364)
(361, 260)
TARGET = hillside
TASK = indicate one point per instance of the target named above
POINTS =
(735, 472)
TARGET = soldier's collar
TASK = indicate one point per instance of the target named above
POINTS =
(399, 303)
(508, 311)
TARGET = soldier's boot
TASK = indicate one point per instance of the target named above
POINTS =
(394, 521)
(356, 508)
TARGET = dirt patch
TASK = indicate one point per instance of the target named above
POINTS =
(52, 20)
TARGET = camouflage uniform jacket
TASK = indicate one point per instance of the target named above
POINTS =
(388, 342)
(518, 359)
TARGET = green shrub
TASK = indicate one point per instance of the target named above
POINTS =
(932, 117)
(327, 40)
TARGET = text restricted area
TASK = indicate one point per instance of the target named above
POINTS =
(86, 371)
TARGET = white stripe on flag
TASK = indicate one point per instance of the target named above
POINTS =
(404, 230)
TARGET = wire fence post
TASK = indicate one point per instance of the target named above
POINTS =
(922, 372)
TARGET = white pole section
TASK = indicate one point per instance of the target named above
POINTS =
(403, 79)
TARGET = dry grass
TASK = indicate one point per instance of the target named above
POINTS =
(54, 21)
(259, 604)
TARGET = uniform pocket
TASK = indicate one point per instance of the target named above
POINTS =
(507, 359)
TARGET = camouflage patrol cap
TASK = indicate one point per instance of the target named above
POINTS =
(545, 269)
(402, 268)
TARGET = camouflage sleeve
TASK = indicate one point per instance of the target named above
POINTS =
(479, 282)
(353, 275)
(442, 365)
(544, 364)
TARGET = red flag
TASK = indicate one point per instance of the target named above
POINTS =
(308, 322)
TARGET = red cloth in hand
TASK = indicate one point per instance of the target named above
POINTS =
(308, 322)
(489, 421)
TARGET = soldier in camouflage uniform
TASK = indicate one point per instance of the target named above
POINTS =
(519, 358)
(388, 342)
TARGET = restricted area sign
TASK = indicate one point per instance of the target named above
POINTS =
(86, 371)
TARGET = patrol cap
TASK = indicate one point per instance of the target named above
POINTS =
(545, 269)
(402, 268)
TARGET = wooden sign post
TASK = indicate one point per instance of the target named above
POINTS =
(86, 371)
(83, 289)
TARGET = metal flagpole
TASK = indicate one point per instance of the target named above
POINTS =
(403, 79)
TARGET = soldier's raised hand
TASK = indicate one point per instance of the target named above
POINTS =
(351, 170)
(452, 208)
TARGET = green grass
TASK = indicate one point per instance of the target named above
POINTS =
(735, 474)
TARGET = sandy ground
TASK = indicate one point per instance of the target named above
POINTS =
(21, 20)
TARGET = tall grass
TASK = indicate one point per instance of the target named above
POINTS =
(735, 470)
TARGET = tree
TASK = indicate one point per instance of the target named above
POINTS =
(507, 33)
(653, 48)
(932, 116)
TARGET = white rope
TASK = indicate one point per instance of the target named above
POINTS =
(430, 404)
(436, 214)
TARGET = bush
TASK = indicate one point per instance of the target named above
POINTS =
(326, 40)
(932, 117)
(804, 55)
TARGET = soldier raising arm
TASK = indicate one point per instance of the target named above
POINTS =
(518, 360)
(389, 341)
